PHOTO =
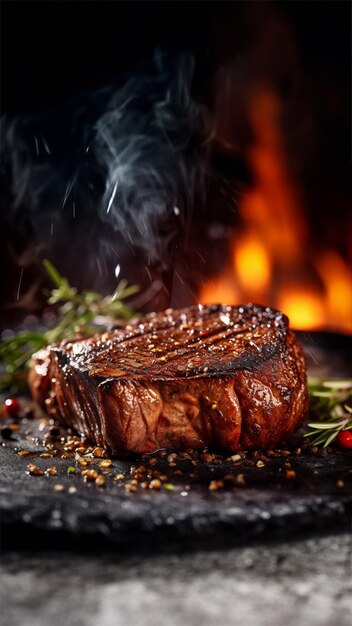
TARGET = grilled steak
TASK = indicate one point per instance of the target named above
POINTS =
(219, 376)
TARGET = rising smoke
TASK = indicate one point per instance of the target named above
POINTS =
(123, 161)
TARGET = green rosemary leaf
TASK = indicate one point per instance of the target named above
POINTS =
(330, 403)
(338, 384)
(324, 425)
(331, 438)
(319, 393)
(57, 279)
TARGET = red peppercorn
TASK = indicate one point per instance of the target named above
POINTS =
(344, 439)
(12, 407)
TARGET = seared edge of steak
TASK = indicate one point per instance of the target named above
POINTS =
(155, 415)
(273, 397)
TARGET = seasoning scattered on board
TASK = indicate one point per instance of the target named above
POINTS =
(175, 472)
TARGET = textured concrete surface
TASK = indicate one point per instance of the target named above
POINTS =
(301, 583)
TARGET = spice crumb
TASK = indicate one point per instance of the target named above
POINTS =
(130, 488)
(207, 457)
(260, 464)
(215, 485)
(34, 470)
(81, 450)
(89, 474)
(100, 481)
(155, 484)
(82, 462)
(98, 453)
(72, 489)
(240, 480)
(106, 463)
(59, 488)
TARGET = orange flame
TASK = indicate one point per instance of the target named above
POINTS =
(305, 308)
(271, 257)
(251, 263)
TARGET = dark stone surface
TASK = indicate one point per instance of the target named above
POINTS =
(269, 505)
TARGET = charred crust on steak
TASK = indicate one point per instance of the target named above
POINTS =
(220, 376)
(165, 346)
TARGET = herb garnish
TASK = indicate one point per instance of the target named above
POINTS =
(331, 404)
(77, 313)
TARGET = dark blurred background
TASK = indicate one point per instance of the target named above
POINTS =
(56, 52)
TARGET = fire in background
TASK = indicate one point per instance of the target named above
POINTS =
(284, 251)
(274, 76)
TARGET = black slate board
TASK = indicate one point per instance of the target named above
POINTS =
(269, 505)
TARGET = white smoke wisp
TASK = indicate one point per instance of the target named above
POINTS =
(130, 154)
(146, 143)
(112, 175)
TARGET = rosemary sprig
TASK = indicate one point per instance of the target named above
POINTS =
(331, 405)
(77, 313)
